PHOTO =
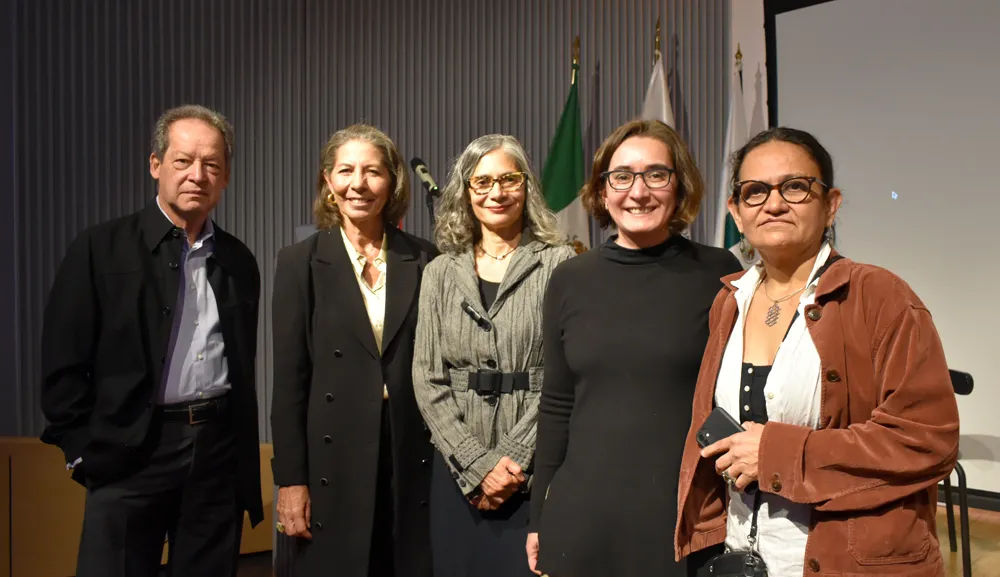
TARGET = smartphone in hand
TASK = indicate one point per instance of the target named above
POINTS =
(719, 425)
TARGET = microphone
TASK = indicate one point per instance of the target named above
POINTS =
(425, 177)
(483, 323)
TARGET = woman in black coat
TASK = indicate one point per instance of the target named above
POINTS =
(351, 452)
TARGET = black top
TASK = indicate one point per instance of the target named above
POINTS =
(488, 292)
(753, 405)
(624, 333)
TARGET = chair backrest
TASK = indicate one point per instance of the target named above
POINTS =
(962, 382)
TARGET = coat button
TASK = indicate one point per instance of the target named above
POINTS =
(454, 474)
(166, 311)
(833, 376)
(324, 481)
(329, 397)
(814, 565)
(327, 439)
(319, 526)
(176, 232)
(174, 265)
(337, 353)
(461, 483)
(423, 503)
(775, 483)
(492, 401)
(424, 462)
(491, 364)
(814, 314)
(163, 360)
(424, 425)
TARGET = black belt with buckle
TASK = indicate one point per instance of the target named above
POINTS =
(488, 382)
(196, 412)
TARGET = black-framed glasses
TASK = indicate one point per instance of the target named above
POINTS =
(509, 182)
(794, 190)
(655, 178)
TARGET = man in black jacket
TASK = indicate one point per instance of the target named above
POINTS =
(148, 349)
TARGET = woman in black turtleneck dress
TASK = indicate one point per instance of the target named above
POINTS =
(624, 329)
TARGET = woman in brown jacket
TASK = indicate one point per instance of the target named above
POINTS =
(837, 373)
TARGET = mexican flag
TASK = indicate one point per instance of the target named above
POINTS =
(726, 233)
(563, 174)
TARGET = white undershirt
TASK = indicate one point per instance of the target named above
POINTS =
(792, 394)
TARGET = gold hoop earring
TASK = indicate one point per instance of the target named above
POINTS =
(330, 199)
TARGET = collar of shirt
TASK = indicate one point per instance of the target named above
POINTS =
(747, 284)
(207, 230)
(358, 260)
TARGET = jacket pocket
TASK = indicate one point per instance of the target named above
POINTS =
(890, 535)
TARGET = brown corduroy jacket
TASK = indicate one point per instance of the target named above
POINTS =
(888, 432)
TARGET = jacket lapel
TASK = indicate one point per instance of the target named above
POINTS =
(523, 261)
(334, 279)
(401, 284)
(467, 279)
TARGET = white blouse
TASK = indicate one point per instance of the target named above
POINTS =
(374, 296)
(792, 395)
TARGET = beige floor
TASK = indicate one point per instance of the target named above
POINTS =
(984, 530)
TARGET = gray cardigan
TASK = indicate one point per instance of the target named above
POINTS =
(472, 432)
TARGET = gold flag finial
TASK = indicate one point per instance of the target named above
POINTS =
(739, 54)
(656, 42)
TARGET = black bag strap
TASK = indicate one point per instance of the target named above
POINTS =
(752, 537)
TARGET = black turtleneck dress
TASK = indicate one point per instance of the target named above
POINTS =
(624, 334)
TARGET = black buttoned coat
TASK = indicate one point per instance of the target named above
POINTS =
(327, 402)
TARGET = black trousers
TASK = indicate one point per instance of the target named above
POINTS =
(185, 494)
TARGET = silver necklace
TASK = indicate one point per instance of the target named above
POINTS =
(774, 312)
(496, 257)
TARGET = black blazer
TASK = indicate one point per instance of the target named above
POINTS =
(105, 335)
(326, 407)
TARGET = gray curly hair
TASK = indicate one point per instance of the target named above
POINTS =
(457, 228)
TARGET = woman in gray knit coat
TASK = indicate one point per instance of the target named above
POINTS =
(477, 365)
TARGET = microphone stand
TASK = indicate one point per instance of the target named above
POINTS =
(429, 201)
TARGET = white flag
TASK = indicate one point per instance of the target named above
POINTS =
(726, 234)
(657, 104)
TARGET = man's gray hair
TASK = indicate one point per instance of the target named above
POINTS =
(161, 131)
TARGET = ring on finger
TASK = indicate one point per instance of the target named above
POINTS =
(729, 479)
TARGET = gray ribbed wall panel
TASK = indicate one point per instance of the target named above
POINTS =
(92, 77)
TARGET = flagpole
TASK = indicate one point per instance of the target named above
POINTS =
(656, 42)
(739, 63)
(576, 59)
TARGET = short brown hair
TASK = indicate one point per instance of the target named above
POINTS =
(161, 130)
(327, 214)
(690, 186)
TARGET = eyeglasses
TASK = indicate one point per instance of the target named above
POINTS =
(509, 182)
(655, 178)
(794, 190)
